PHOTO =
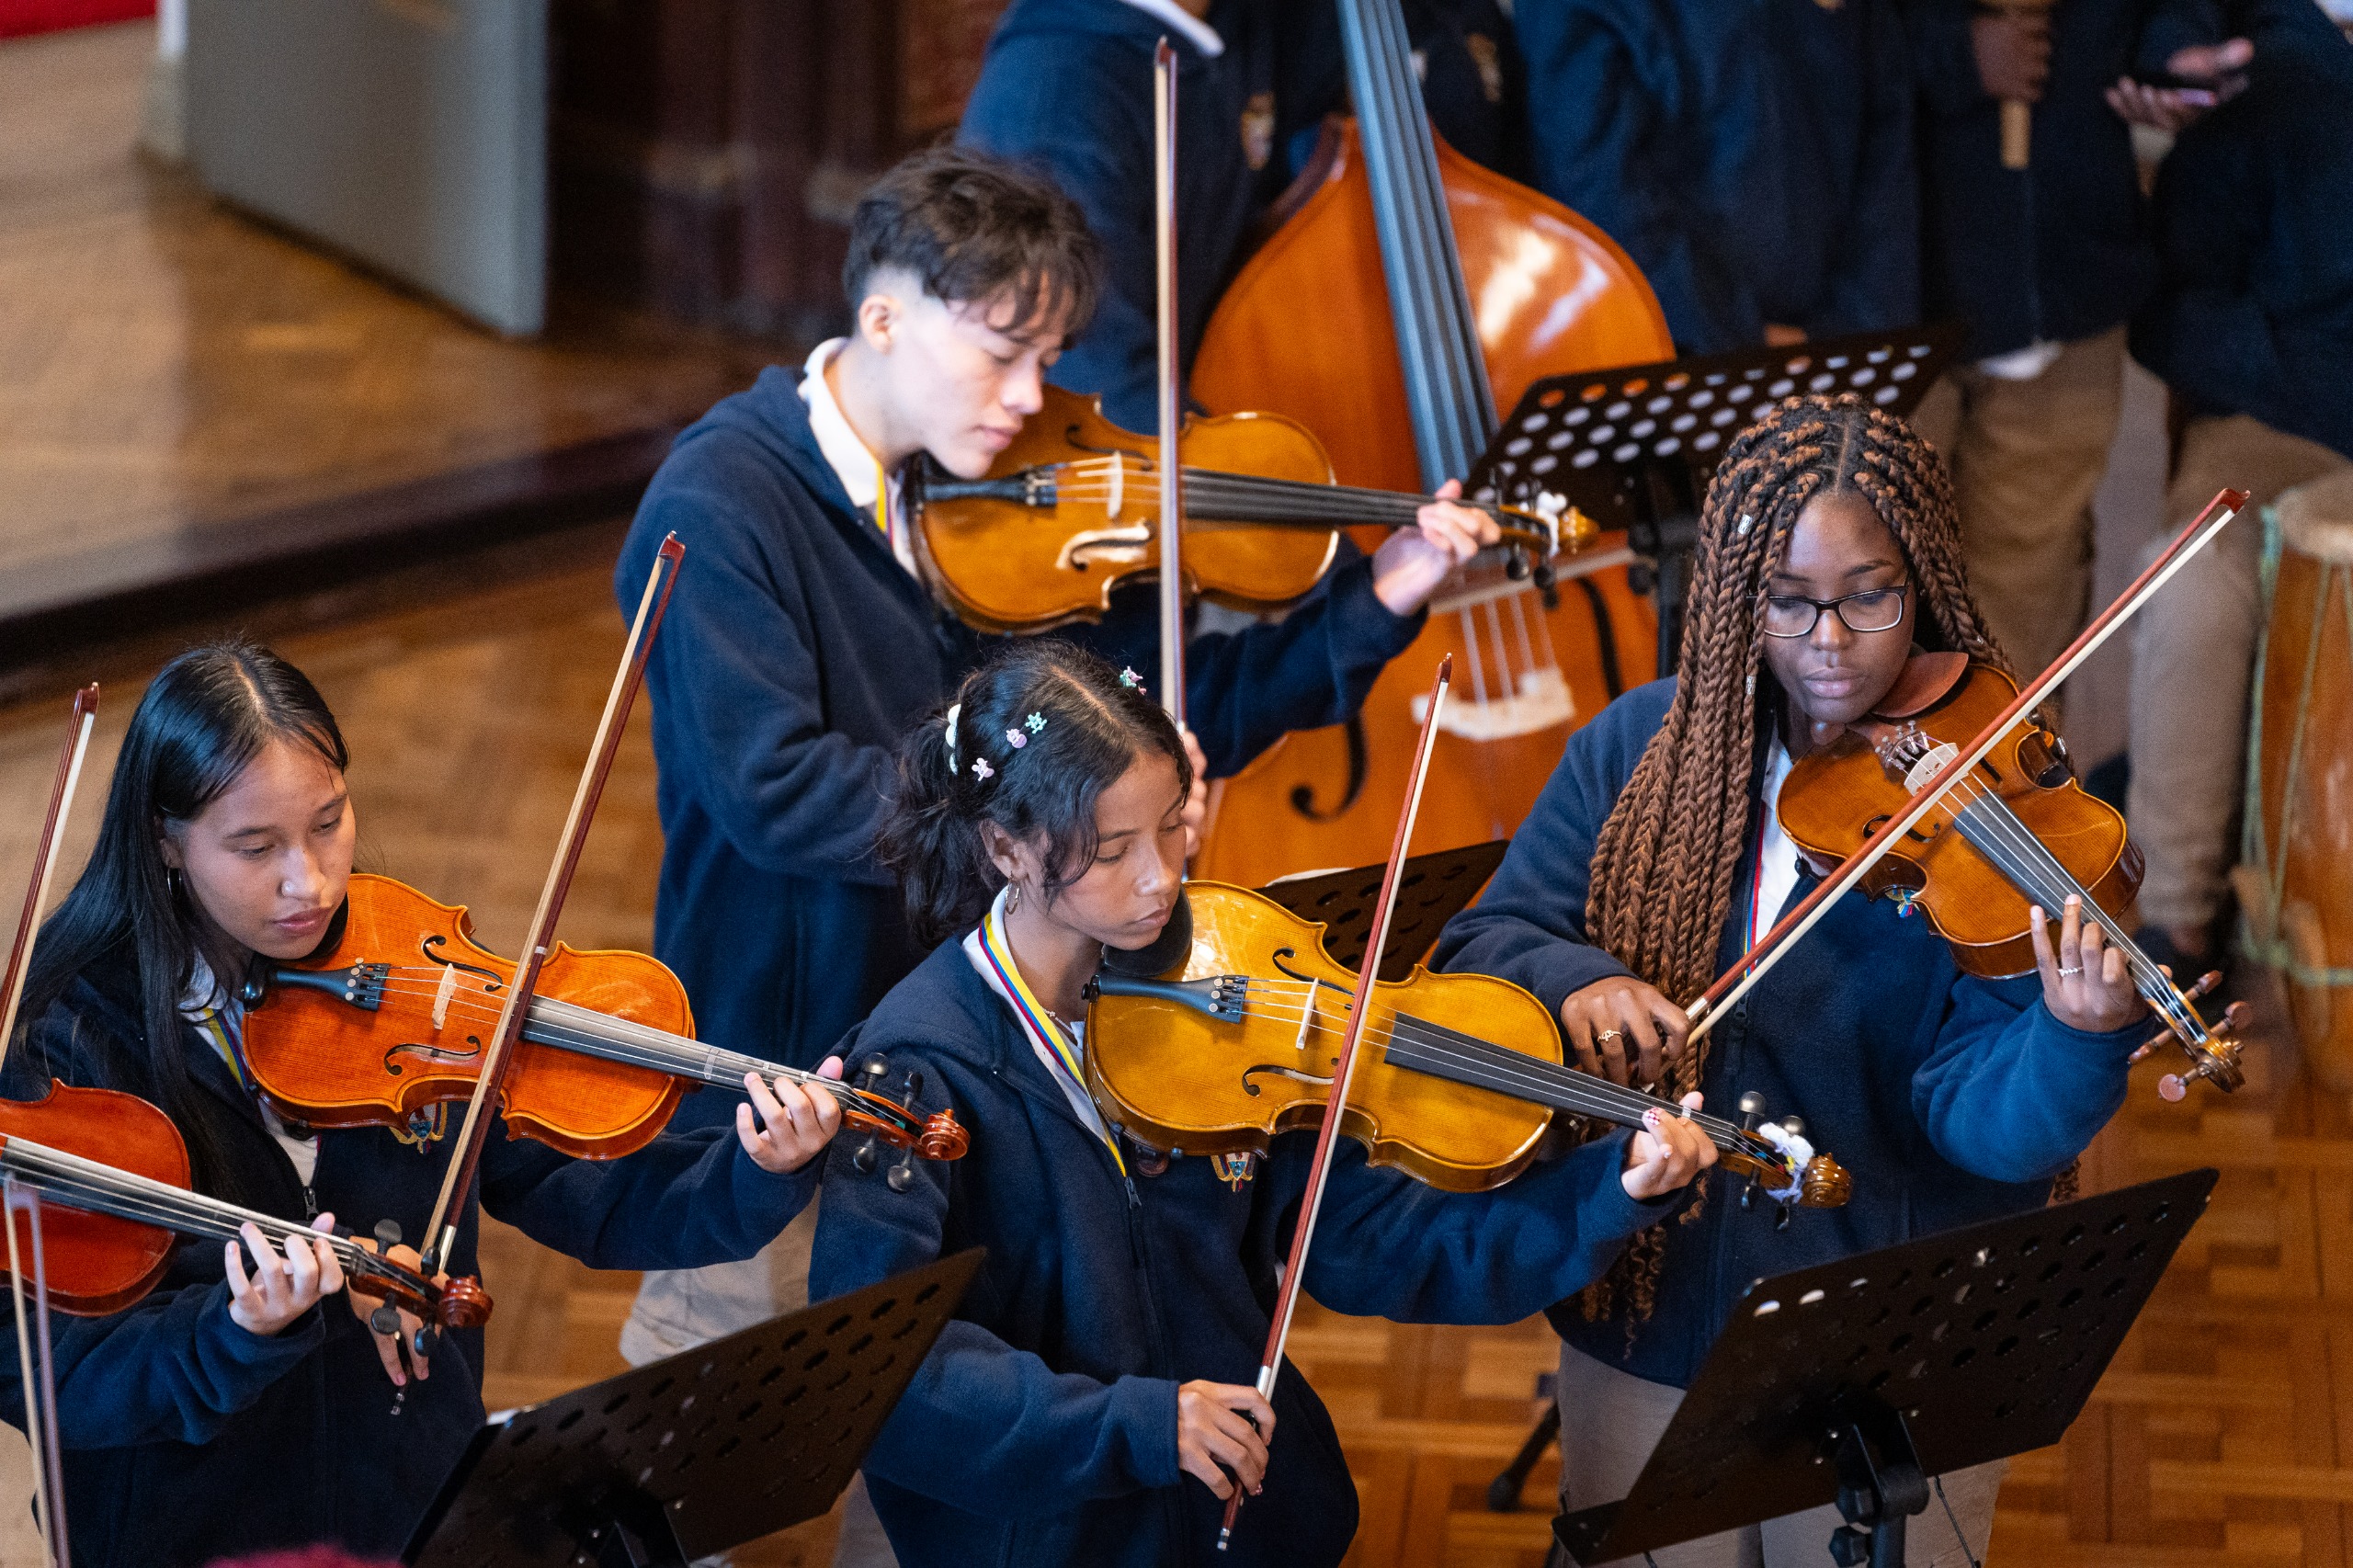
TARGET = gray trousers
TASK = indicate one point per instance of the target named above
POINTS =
(677, 1309)
(1610, 1420)
(2193, 664)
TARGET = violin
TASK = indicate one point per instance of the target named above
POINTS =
(389, 1016)
(1982, 773)
(1236, 1041)
(1069, 511)
(2016, 832)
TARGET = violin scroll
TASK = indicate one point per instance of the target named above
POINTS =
(943, 1138)
(1824, 1184)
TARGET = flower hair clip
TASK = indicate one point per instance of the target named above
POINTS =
(1130, 679)
(981, 770)
(1015, 739)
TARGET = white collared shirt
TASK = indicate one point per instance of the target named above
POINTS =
(858, 469)
(1080, 1101)
(1198, 33)
(1777, 853)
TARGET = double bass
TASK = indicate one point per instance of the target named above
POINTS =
(1439, 291)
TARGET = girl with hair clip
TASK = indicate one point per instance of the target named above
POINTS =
(1092, 1403)
(1828, 554)
(236, 1408)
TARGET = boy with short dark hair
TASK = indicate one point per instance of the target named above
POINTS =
(799, 643)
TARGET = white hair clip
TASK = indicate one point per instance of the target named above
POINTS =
(1748, 521)
(955, 711)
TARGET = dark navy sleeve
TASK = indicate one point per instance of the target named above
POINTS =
(1044, 101)
(1599, 136)
(1244, 690)
(1028, 1440)
(2008, 1092)
(174, 1368)
(1528, 926)
(1875, 266)
(1944, 58)
(2205, 331)
(683, 1200)
(737, 667)
(1386, 1246)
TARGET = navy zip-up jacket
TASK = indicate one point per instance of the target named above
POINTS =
(1752, 156)
(1041, 1429)
(1066, 87)
(2254, 308)
(1949, 1100)
(186, 1437)
(796, 652)
(2060, 249)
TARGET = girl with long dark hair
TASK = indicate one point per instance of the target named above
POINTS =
(239, 1406)
(1092, 1403)
(1828, 552)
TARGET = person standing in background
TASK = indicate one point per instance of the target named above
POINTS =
(2044, 264)
(1754, 159)
(2251, 328)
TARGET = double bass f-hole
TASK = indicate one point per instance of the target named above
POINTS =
(1302, 796)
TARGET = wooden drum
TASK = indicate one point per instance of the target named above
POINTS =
(2296, 884)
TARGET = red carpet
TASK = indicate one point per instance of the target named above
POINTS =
(18, 17)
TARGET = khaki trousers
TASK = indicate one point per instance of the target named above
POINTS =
(2027, 457)
(1610, 1420)
(677, 1309)
(2193, 661)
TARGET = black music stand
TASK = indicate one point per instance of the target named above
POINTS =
(1634, 446)
(697, 1452)
(1855, 1381)
(1431, 890)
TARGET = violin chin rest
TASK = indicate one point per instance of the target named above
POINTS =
(1166, 951)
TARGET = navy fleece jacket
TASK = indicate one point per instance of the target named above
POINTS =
(2254, 308)
(795, 655)
(2060, 249)
(1949, 1100)
(1042, 1427)
(188, 1438)
(1752, 156)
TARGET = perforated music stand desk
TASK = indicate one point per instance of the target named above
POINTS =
(697, 1452)
(1874, 1372)
(1431, 890)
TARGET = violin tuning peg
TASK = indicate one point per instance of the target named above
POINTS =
(1516, 565)
(1793, 1126)
(1780, 1218)
(426, 1341)
(867, 1157)
(914, 1085)
(385, 1319)
(874, 1069)
(1752, 1106)
(388, 1234)
(901, 1176)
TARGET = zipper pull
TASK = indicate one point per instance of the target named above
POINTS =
(309, 1202)
(1135, 1200)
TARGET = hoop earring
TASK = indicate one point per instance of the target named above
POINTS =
(173, 883)
(1012, 896)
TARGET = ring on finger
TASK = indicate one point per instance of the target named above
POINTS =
(1608, 1034)
(2065, 973)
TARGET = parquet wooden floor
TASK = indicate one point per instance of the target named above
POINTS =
(165, 362)
(2222, 1437)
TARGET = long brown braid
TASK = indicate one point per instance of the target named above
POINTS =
(1665, 859)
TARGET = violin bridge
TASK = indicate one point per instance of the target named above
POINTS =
(1118, 486)
(1931, 764)
(443, 993)
(1307, 1019)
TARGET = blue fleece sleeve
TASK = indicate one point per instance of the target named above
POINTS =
(1028, 1440)
(2008, 1092)
(1875, 269)
(1599, 137)
(735, 667)
(174, 1368)
(1046, 102)
(683, 1200)
(1528, 926)
(1944, 57)
(1386, 1246)
(1244, 690)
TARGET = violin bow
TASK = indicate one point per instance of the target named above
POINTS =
(441, 1230)
(1327, 1137)
(39, 1371)
(1754, 965)
(1172, 413)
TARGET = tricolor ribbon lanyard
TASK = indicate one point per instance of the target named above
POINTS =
(1041, 1026)
(886, 517)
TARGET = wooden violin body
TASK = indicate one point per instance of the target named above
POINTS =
(1838, 796)
(1459, 1079)
(392, 1016)
(96, 1262)
(1175, 1077)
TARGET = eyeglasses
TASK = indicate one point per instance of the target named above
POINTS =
(1873, 610)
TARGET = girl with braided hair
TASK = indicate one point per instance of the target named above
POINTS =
(1829, 552)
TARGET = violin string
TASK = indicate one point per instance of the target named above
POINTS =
(604, 1035)
(2034, 869)
(142, 1199)
(1602, 1097)
(1299, 496)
